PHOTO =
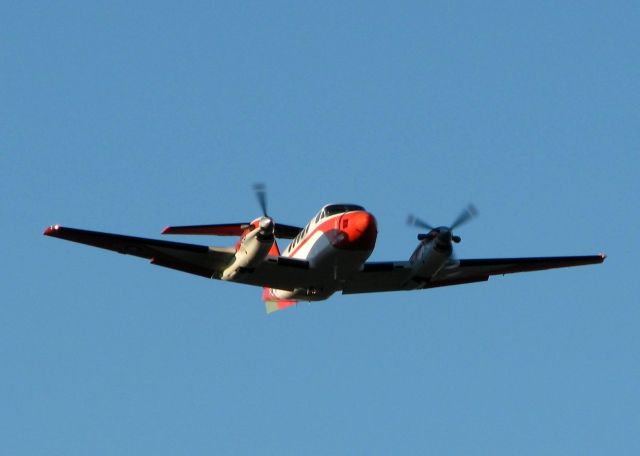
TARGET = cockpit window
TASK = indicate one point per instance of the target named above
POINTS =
(339, 208)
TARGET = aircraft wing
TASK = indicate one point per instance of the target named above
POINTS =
(194, 259)
(394, 276)
(274, 272)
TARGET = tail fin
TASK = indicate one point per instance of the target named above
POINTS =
(275, 250)
(272, 303)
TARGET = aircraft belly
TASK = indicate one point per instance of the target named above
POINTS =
(330, 267)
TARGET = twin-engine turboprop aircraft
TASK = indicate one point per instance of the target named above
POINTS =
(328, 255)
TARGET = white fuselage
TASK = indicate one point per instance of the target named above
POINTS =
(335, 244)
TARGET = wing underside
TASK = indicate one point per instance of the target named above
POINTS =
(275, 272)
(194, 259)
(395, 276)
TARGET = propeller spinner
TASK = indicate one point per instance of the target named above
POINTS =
(443, 232)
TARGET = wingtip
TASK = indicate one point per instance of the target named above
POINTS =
(603, 257)
(166, 230)
(50, 230)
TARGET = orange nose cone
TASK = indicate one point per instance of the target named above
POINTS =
(358, 231)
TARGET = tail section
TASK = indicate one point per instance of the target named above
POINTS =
(272, 303)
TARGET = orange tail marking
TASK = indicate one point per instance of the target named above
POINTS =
(271, 302)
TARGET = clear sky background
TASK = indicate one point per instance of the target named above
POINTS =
(127, 117)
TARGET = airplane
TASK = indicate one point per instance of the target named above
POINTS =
(327, 255)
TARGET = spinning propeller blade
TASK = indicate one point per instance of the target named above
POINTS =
(412, 220)
(261, 194)
(467, 214)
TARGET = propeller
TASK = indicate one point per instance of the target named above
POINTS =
(467, 214)
(412, 220)
(266, 223)
(261, 193)
(445, 232)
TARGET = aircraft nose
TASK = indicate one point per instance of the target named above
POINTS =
(358, 231)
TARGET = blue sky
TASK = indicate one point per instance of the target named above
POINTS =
(127, 118)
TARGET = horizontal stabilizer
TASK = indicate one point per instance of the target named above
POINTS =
(231, 229)
(286, 231)
(227, 229)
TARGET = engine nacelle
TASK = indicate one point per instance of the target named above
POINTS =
(429, 258)
(252, 251)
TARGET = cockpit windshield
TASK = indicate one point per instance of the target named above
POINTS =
(333, 209)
